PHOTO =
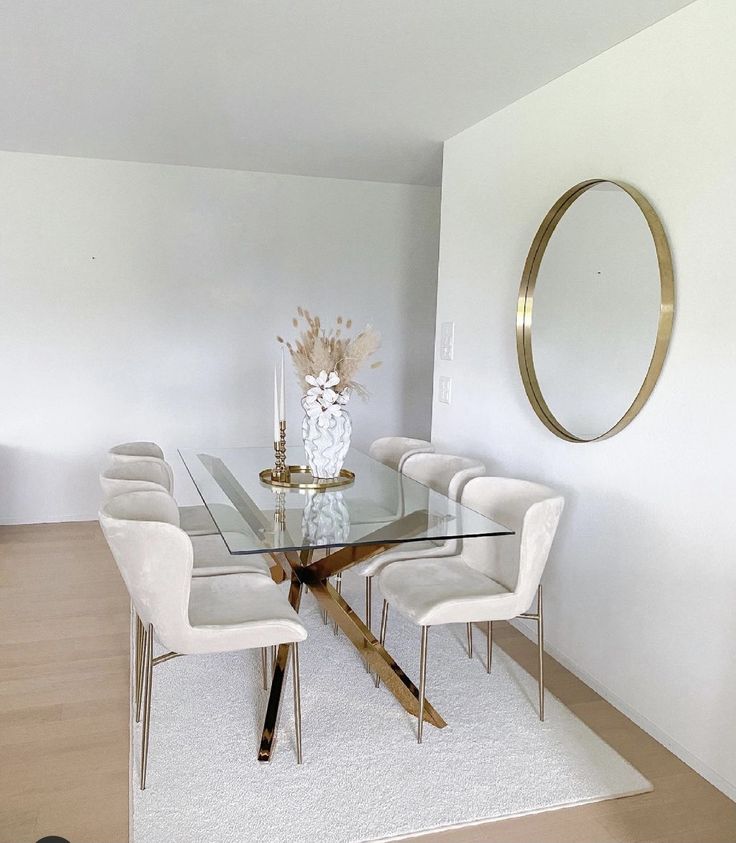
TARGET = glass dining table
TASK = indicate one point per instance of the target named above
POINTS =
(313, 535)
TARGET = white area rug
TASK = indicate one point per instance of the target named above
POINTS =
(364, 776)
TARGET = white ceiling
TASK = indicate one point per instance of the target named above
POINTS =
(364, 89)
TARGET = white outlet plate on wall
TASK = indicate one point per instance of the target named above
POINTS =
(447, 341)
(445, 390)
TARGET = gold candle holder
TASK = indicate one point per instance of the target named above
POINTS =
(281, 469)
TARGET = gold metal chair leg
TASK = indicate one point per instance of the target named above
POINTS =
(140, 673)
(272, 651)
(147, 707)
(264, 666)
(297, 702)
(338, 589)
(137, 664)
(422, 681)
(489, 645)
(368, 608)
(382, 636)
(540, 644)
(368, 601)
(469, 629)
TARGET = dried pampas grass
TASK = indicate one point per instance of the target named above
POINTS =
(317, 349)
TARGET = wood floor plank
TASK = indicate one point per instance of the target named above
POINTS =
(64, 690)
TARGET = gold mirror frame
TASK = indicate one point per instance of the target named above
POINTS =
(526, 303)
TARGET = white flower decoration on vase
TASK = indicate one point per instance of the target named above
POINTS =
(327, 427)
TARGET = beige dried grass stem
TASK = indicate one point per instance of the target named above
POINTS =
(317, 349)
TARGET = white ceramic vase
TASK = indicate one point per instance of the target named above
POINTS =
(326, 442)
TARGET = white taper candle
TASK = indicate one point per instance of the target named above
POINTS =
(282, 399)
(276, 431)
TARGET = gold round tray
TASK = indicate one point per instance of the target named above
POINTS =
(301, 478)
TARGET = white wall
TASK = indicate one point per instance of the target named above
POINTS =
(641, 585)
(142, 301)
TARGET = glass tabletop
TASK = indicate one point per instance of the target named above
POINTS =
(380, 506)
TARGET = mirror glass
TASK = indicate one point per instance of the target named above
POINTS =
(596, 306)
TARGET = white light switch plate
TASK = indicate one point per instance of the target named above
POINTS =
(447, 341)
(445, 390)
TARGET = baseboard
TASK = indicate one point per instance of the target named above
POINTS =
(529, 628)
(52, 519)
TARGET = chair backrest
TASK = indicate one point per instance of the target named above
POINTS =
(532, 511)
(444, 473)
(139, 452)
(154, 558)
(137, 449)
(393, 451)
(134, 476)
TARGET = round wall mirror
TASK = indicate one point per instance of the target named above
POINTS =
(595, 310)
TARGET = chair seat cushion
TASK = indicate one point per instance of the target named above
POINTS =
(212, 558)
(445, 590)
(240, 612)
(407, 550)
(196, 521)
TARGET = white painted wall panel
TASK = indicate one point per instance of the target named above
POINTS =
(142, 301)
(641, 586)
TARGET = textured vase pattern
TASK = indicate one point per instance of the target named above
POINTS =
(326, 443)
(326, 519)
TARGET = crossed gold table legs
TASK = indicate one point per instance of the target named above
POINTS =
(302, 573)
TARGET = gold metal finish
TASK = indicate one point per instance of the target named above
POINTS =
(316, 576)
(297, 702)
(489, 645)
(280, 471)
(264, 667)
(165, 657)
(382, 539)
(379, 660)
(540, 647)
(469, 630)
(338, 589)
(368, 599)
(526, 303)
(278, 676)
(147, 707)
(141, 671)
(281, 655)
(304, 574)
(138, 664)
(299, 477)
(384, 629)
(422, 681)
(368, 607)
(538, 616)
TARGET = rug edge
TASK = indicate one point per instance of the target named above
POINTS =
(472, 823)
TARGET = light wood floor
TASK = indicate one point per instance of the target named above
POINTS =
(64, 618)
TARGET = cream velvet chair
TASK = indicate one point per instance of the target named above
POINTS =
(490, 579)
(211, 556)
(443, 473)
(189, 615)
(394, 450)
(195, 520)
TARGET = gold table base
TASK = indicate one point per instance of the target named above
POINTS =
(298, 568)
(380, 661)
